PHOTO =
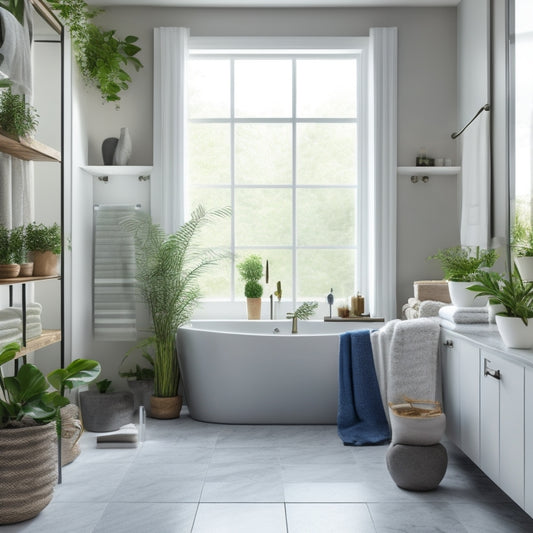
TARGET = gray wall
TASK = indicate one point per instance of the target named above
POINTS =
(427, 114)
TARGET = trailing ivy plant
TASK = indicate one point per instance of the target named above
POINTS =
(17, 117)
(101, 55)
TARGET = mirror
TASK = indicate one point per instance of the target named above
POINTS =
(521, 118)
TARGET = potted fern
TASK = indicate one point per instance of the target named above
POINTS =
(515, 295)
(460, 265)
(168, 272)
(251, 271)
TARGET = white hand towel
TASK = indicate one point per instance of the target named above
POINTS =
(430, 308)
(8, 333)
(464, 315)
(463, 328)
(10, 323)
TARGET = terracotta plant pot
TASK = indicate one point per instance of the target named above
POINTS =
(26, 270)
(253, 305)
(165, 408)
(29, 472)
(44, 263)
(9, 271)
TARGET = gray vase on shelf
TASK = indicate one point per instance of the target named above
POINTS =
(123, 149)
(108, 149)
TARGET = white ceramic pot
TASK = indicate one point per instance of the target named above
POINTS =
(525, 267)
(462, 297)
(514, 333)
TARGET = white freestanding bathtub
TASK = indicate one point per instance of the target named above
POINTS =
(257, 372)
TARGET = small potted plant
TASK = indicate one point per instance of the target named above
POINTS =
(44, 243)
(460, 265)
(251, 271)
(30, 423)
(522, 247)
(8, 267)
(516, 298)
(20, 252)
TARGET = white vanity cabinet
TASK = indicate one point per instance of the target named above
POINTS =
(528, 440)
(502, 423)
(488, 401)
(460, 364)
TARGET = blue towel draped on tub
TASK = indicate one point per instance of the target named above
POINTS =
(360, 417)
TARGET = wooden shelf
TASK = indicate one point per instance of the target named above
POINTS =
(16, 281)
(27, 149)
(354, 319)
(47, 338)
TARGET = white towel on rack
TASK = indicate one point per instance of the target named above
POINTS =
(114, 302)
(475, 211)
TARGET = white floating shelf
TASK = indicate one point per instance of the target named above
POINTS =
(429, 171)
(104, 171)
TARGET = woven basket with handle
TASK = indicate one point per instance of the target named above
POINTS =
(28, 471)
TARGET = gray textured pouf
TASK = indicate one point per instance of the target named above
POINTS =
(417, 467)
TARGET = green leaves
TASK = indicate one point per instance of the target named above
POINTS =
(16, 116)
(168, 270)
(15, 7)
(100, 54)
(460, 263)
(78, 373)
(513, 293)
(305, 311)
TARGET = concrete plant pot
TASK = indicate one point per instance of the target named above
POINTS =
(108, 411)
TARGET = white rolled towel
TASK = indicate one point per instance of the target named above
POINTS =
(464, 315)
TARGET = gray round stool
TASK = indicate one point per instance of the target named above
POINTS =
(417, 468)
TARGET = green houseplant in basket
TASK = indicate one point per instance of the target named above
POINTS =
(44, 243)
(460, 265)
(251, 271)
(168, 272)
(30, 425)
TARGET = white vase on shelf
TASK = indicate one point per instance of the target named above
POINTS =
(124, 148)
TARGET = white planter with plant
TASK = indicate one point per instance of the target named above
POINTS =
(168, 271)
(522, 247)
(460, 265)
(515, 323)
(251, 271)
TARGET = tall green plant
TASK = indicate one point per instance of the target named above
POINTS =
(43, 238)
(522, 238)
(168, 272)
(251, 271)
(101, 56)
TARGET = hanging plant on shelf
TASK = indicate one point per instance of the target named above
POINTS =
(101, 55)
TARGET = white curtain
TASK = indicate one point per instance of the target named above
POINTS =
(16, 176)
(167, 190)
(382, 195)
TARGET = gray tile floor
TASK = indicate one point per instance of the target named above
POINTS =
(209, 478)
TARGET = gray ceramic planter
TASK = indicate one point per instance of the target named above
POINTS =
(106, 412)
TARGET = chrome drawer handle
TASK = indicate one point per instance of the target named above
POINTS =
(490, 372)
(448, 343)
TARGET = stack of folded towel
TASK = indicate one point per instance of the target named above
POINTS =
(463, 318)
(11, 323)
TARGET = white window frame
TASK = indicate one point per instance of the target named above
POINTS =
(306, 46)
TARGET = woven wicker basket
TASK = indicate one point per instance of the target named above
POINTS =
(28, 471)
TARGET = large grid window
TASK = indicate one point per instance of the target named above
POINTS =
(275, 135)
